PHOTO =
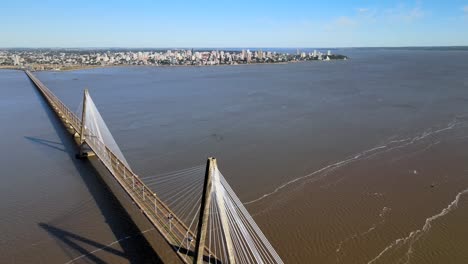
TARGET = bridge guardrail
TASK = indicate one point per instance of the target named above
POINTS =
(173, 230)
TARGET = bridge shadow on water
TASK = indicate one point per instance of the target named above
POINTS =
(52, 144)
(72, 240)
(136, 249)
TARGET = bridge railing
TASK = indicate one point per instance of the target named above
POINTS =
(164, 219)
(58, 106)
(150, 204)
(170, 226)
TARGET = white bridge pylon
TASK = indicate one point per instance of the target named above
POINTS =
(231, 233)
(94, 126)
(222, 225)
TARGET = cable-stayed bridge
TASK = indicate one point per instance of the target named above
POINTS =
(194, 209)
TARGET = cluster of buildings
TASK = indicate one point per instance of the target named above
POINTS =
(77, 58)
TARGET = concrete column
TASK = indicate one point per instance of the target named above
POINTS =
(83, 117)
(219, 193)
(204, 213)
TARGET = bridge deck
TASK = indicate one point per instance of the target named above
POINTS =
(174, 231)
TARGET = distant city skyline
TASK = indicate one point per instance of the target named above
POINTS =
(63, 59)
(204, 24)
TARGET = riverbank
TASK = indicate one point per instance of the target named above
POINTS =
(41, 67)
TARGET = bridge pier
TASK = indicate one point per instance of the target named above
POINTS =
(106, 161)
(204, 212)
(210, 186)
(83, 153)
(171, 228)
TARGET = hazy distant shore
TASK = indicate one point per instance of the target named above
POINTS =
(61, 60)
(87, 67)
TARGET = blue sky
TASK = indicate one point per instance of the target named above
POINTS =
(239, 23)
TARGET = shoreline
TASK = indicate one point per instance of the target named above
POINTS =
(90, 67)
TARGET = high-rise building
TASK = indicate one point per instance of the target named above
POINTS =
(16, 59)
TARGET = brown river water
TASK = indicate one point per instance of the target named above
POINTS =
(358, 161)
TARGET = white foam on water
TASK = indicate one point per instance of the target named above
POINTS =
(334, 165)
(399, 140)
(366, 154)
(412, 154)
(415, 139)
(415, 235)
(383, 212)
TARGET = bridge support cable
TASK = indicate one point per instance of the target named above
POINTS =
(221, 204)
(97, 134)
(180, 190)
(96, 127)
(172, 173)
(157, 212)
(261, 246)
(188, 206)
(236, 236)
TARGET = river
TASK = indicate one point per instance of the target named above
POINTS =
(357, 161)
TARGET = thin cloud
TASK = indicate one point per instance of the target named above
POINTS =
(414, 14)
(345, 21)
(401, 13)
(341, 23)
(465, 9)
(362, 10)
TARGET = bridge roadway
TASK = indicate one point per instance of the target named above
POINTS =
(174, 231)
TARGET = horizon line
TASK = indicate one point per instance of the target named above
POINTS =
(240, 47)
